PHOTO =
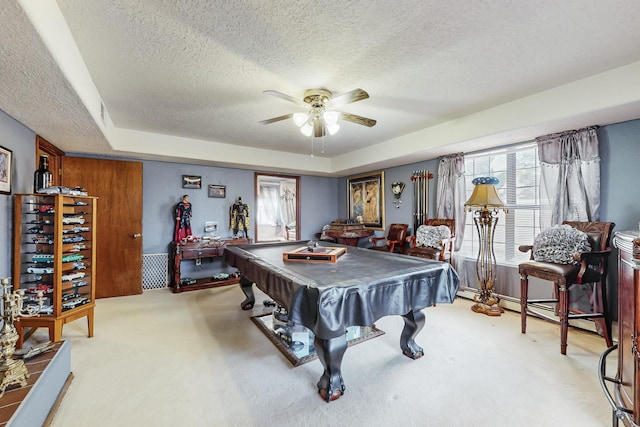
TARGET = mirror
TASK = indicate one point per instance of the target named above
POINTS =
(277, 201)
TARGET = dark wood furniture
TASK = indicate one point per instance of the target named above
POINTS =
(55, 251)
(443, 251)
(395, 240)
(592, 268)
(357, 290)
(625, 400)
(347, 234)
(198, 251)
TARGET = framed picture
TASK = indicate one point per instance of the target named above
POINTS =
(219, 191)
(191, 181)
(6, 158)
(365, 199)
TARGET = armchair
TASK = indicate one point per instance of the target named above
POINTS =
(573, 253)
(434, 240)
(395, 240)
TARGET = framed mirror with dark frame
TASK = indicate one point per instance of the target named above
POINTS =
(277, 201)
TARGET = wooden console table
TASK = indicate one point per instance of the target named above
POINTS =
(200, 250)
(347, 234)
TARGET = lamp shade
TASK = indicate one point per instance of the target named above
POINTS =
(485, 194)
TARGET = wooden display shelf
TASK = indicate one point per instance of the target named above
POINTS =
(54, 324)
(201, 250)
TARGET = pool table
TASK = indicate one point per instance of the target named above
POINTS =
(362, 286)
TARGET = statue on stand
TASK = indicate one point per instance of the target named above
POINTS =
(183, 219)
(239, 218)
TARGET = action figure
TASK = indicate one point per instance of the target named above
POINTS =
(239, 218)
(183, 219)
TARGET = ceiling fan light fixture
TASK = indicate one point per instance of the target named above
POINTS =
(333, 128)
(330, 117)
(300, 118)
(306, 129)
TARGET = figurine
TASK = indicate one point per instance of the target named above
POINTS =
(183, 219)
(239, 217)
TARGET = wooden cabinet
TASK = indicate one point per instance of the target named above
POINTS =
(625, 399)
(196, 251)
(54, 251)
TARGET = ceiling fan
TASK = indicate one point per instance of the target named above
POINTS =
(321, 116)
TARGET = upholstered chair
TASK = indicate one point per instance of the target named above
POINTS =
(574, 253)
(434, 240)
(395, 240)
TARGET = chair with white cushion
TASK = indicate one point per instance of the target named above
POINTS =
(434, 240)
(574, 253)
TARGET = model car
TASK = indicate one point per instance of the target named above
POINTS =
(39, 270)
(78, 283)
(68, 297)
(73, 220)
(74, 303)
(35, 230)
(48, 258)
(72, 257)
(72, 276)
(72, 239)
(47, 289)
(46, 209)
(43, 240)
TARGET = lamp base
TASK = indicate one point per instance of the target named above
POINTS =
(489, 310)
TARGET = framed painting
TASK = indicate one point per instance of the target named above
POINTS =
(219, 191)
(365, 199)
(191, 181)
(6, 158)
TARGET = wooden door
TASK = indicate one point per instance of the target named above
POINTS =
(118, 186)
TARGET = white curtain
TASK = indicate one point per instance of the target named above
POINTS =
(451, 193)
(570, 177)
(288, 202)
(268, 212)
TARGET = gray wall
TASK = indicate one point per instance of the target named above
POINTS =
(619, 151)
(403, 214)
(20, 140)
(162, 190)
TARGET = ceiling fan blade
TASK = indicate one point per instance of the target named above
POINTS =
(364, 121)
(349, 97)
(277, 119)
(285, 97)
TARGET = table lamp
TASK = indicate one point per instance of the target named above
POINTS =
(485, 205)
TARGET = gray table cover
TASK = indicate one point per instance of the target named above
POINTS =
(360, 288)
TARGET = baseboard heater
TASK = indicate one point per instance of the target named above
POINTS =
(513, 304)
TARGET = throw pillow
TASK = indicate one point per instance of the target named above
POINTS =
(430, 236)
(559, 244)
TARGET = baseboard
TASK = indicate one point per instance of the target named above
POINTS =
(56, 404)
(513, 304)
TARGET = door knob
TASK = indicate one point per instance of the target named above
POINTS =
(136, 235)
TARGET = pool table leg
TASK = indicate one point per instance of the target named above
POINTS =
(413, 324)
(247, 287)
(330, 352)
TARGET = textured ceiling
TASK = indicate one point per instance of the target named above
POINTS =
(191, 74)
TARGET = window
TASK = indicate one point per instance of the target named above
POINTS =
(518, 170)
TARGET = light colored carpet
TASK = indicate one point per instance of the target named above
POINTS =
(196, 359)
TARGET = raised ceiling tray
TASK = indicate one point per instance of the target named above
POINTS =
(306, 254)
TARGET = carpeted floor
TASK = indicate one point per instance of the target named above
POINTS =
(196, 359)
